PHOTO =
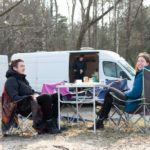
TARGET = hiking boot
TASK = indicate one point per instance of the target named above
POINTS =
(40, 126)
(51, 127)
(99, 124)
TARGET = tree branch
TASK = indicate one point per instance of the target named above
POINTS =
(11, 8)
(132, 24)
(101, 16)
(87, 16)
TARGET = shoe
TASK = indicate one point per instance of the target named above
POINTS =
(99, 125)
(51, 127)
(98, 113)
(40, 127)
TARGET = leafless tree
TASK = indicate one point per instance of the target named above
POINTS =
(88, 22)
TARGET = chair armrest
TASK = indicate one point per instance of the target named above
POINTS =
(15, 102)
(134, 100)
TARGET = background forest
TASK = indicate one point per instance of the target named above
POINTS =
(122, 26)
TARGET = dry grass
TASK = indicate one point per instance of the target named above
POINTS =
(78, 137)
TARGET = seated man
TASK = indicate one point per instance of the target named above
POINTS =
(21, 93)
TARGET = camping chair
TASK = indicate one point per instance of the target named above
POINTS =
(22, 126)
(11, 121)
(100, 95)
(142, 112)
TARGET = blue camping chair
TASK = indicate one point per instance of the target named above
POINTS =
(116, 116)
(142, 112)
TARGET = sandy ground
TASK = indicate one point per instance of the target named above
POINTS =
(78, 137)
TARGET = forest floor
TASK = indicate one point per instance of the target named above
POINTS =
(78, 137)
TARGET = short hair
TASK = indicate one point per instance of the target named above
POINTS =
(14, 63)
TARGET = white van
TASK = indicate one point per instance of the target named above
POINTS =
(50, 67)
(3, 69)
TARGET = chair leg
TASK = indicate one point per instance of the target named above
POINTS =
(24, 125)
(122, 117)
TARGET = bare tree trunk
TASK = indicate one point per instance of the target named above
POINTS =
(72, 23)
(51, 8)
(94, 42)
(117, 32)
(89, 37)
(115, 25)
(44, 24)
(128, 28)
(56, 11)
(80, 37)
(116, 28)
(142, 27)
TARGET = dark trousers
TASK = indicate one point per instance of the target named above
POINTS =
(47, 103)
(79, 76)
(49, 106)
(106, 107)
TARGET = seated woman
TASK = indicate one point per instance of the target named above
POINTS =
(19, 91)
(143, 60)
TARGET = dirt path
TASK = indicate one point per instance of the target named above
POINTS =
(79, 138)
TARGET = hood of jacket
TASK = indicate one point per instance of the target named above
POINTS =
(13, 73)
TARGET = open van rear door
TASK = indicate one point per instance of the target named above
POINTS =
(3, 69)
(92, 64)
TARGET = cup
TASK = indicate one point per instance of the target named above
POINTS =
(91, 80)
(86, 79)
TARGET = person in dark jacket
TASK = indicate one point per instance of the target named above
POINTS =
(143, 61)
(79, 68)
(20, 91)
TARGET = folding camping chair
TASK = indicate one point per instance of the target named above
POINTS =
(101, 92)
(11, 121)
(143, 110)
(23, 125)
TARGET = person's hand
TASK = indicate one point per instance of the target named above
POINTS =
(81, 71)
(34, 96)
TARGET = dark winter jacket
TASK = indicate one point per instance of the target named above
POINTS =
(79, 65)
(17, 86)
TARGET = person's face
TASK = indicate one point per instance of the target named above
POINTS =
(20, 68)
(81, 58)
(141, 62)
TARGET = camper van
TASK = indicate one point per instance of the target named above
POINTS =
(3, 69)
(50, 67)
